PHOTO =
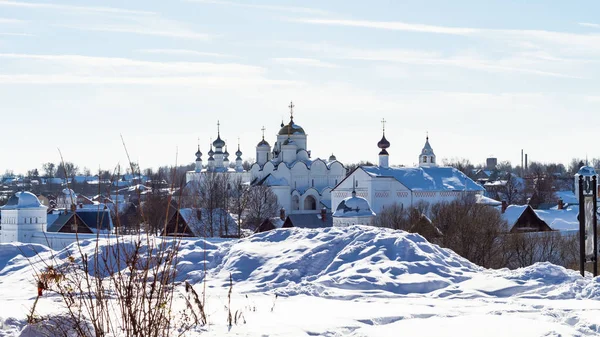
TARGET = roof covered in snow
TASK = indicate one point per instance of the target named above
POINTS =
(426, 178)
(199, 220)
(513, 213)
(21, 200)
(353, 207)
(560, 219)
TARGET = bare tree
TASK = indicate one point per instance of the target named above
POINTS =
(157, 209)
(49, 169)
(239, 199)
(393, 216)
(212, 190)
(262, 204)
(470, 229)
(66, 170)
(461, 164)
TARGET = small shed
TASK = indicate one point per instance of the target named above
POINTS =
(70, 223)
(269, 224)
(309, 220)
(524, 219)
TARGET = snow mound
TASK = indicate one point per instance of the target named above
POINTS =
(360, 258)
(13, 256)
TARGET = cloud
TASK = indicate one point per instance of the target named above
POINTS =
(38, 5)
(154, 30)
(78, 69)
(6, 20)
(182, 52)
(586, 24)
(211, 82)
(289, 9)
(81, 63)
(15, 34)
(533, 38)
(389, 25)
(292, 61)
(111, 19)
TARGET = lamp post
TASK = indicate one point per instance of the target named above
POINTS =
(587, 186)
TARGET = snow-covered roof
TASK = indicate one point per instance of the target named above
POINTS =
(513, 213)
(482, 199)
(560, 219)
(272, 181)
(21, 200)
(353, 207)
(198, 221)
(426, 178)
(568, 197)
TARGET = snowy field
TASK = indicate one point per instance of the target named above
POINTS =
(358, 281)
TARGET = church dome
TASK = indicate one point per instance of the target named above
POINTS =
(23, 200)
(263, 143)
(353, 206)
(383, 143)
(291, 129)
(332, 157)
(211, 152)
(586, 171)
(218, 142)
(238, 153)
(427, 150)
(198, 153)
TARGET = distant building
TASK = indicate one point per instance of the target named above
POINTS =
(22, 217)
(383, 185)
(218, 162)
(301, 184)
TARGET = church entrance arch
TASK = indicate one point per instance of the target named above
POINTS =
(310, 203)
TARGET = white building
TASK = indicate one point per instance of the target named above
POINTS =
(353, 210)
(218, 162)
(22, 217)
(382, 185)
(302, 185)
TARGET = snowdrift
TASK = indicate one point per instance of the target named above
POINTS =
(337, 262)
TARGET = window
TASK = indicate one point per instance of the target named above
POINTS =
(424, 159)
(313, 183)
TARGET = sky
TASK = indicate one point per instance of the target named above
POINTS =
(482, 78)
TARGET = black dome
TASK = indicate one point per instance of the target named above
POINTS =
(383, 143)
(291, 128)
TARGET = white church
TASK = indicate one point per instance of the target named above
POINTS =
(218, 162)
(383, 185)
(302, 184)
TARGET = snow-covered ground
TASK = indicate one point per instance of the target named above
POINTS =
(357, 281)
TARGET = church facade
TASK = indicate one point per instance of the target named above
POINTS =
(383, 185)
(218, 162)
(301, 184)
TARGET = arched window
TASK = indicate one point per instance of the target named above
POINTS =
(424, 159)
(310, 203)
(433, 160)
(295, 203)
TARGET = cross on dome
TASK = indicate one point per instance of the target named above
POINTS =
(291, 106)
(263, 131)
(218, 128)
(383, 121)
